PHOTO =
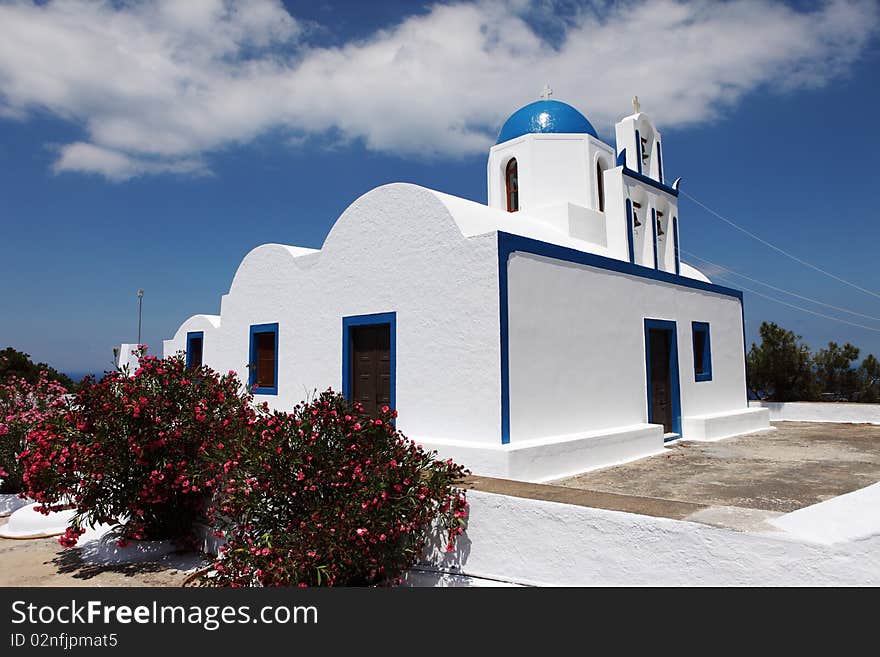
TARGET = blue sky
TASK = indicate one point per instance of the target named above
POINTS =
(154, 144)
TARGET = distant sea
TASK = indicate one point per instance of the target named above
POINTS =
(78, 375)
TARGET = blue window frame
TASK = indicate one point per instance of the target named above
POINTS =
(195, 344)
(263, 359)
(702, 351)
(367, 320)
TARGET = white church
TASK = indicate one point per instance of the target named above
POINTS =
(552, 331)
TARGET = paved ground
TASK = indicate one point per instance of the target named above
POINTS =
(737, 483)
(43, 562)
(799, 464)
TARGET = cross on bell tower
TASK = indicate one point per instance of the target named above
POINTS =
(546, 92)
(637, 106)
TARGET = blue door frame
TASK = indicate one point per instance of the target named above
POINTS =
(366, 320)
(675, 392)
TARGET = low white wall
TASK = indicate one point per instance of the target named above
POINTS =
(849, 517)
(556, 457)
(717, 426)
(821, 412)
(551, 544)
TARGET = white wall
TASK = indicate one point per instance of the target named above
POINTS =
(577, 347)
(552, 169)
(125, 358)
(395, 249)
(821, 412)
(551, 544)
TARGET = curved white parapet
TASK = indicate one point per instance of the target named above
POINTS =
(11, 502)
(27, 523)
(849, 517)
(545, 543)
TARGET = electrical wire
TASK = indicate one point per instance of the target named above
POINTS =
(779, 289)
(779, 250)
(806, 310)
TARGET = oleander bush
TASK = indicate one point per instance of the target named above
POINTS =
(24, 405)
(146, 451)
(326, 496)
(322, 495)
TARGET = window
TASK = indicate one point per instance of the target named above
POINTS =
(263, 363)
(702, 352)
(600, 183)
(194, 343)
(512, 183)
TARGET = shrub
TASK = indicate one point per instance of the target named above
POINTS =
(144, 451)
(326, 496)
(24, 406)
(17, 364)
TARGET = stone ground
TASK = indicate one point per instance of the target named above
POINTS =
(43, 562)
(737, 483)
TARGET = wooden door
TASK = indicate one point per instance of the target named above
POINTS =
(371, 366)
(660, 378)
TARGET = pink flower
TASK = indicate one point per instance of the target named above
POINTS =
(361, 531)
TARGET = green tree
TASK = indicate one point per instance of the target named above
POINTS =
(835, 374)
(869, 374)
(780, 368)
(17, 363)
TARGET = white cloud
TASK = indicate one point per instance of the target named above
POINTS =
(158, 85)
(114, 165)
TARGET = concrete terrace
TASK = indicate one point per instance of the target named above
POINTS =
(737, 483)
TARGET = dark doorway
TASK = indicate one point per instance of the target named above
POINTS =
(661, 407)
(195, 341)
(662, 371)
(265, 348)
(371, 366)
(195, 352)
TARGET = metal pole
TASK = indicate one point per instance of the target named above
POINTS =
(140, 305)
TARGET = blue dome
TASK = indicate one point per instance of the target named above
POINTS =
(545, 116)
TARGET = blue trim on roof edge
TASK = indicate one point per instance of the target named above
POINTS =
(650, 181)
